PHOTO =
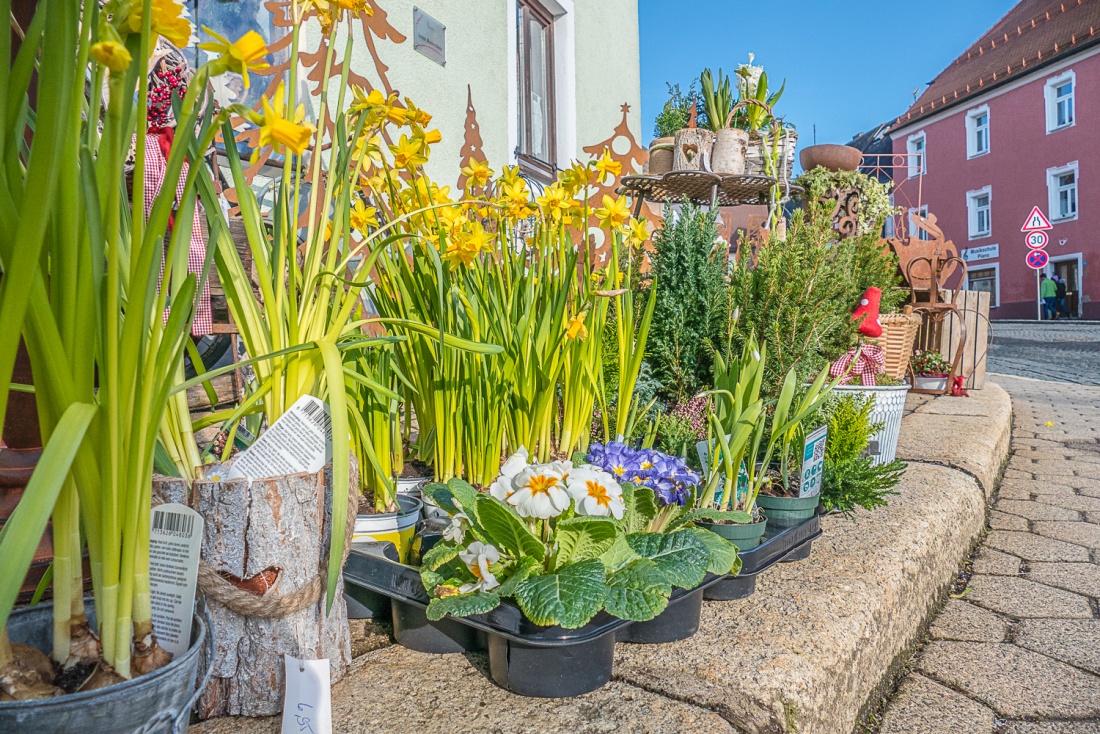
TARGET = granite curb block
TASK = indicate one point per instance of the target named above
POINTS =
(803, 654)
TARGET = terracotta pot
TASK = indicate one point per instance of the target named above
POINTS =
(831, 157)
(660, 156)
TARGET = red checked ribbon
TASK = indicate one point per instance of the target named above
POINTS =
(156, 165)
(865, 362)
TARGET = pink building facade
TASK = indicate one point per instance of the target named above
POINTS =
(996, 151)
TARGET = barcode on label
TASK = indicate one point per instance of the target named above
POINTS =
(316, 413)
(173, 522)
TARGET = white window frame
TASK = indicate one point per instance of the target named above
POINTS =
(972, 213)
(914, 230)
(972, 130)
(1051, 101)
(996, 268)
(1053, 191)
(917, 168)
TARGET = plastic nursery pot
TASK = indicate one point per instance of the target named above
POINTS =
(396, 527)
(412, 629)
(778, 544)
(787, 511)
(156, 703)
(679, 620)
(365, 603)
(743, 536)
(551, 672)
(412, 486)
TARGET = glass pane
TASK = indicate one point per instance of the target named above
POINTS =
(524, 73)
(538, 90)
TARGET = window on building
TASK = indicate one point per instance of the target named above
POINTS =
(977, 132)
(984, 279)
(918, 161)
(1062, 192)
(1059, 93)
(978, 216)
(535, 66)
(914, 230)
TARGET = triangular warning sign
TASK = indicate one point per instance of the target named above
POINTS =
(1035, 221)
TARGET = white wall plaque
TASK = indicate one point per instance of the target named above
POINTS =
(429, 37)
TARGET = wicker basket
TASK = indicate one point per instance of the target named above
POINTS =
(899, 332)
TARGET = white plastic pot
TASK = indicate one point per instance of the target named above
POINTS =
(396, 527)
(930, 383)
(411, 486)
(889, 410)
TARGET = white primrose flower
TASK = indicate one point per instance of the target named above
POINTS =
(478, 557)
(562, 467)
(456, 531)
(539, 492)
(596, 492)
(501, 488)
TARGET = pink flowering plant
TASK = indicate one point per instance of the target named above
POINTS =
(565, 541)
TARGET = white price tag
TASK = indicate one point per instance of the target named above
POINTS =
(175, 543)
(300, 441)
(813, 463)
(307, 706)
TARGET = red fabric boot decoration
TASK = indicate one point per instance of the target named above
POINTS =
(867, 310)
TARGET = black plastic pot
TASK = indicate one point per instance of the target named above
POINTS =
(413, 629)
(679, 620)
(156, 703)
(561, 671)
(778, 544)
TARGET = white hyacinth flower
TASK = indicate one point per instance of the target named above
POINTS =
(539, 492)
(456, 531)
(478, 557)
(596, 492)
(501, 488)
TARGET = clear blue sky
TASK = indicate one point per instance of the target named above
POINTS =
(849, 64)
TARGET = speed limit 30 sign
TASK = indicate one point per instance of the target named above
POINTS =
(1037, 240)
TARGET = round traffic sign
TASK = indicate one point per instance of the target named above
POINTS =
(1037, 240)
(1037, 259)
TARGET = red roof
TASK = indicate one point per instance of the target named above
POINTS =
(1034, 33)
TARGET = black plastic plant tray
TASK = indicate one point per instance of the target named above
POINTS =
(777, 544)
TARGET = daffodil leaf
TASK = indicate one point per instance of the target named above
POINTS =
(638, 591)
(583, 538)
(438, 555)
(723, 554)
(506, 530)
(640, 507)
(524, 569)
(619, 554)
(463, 605)
(570, 597)
(681, 556)
(710, 516)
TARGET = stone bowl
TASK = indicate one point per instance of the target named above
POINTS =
(832, 157)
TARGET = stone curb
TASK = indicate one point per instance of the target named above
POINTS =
(803, 654)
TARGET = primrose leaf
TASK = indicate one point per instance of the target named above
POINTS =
(439, 554)
(681, 556)
(570, 597)
(463, 605)
(641, 507)
(618, 555)
(638, 591)
(506, 530)
(524, 569)
(723, 554)
(583, 538)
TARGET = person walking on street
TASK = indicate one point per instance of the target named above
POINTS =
(1048, 291)
(1060, 295)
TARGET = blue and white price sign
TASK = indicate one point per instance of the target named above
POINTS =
(813, 463)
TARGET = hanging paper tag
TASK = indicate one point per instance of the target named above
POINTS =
(307, 705)
(300, 441)
(175, 543)
(813, 463)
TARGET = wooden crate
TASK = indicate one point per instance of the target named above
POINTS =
(974, 306)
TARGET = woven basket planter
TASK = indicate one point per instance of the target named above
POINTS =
(899, 333)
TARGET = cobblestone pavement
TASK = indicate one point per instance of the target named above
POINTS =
(1066, 351)
(1018, 651)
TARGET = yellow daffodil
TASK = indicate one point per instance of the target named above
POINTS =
(166, 20)
(461, 250)
(377, 106)
(510, 174)
(111, 54)
(407, 152)
(605, 165)
(363, 216)
(371, 147)
(432, 136)
(516, 199)
(636, 232)
(613, 212)
(279, 131)
(415, 115)
(576, 177)
(245, 54)
(576, 328)
(477, 174)
(555, 203)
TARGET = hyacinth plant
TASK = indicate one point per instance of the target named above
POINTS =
(565, 542)
(496, 264)
(105, 303)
